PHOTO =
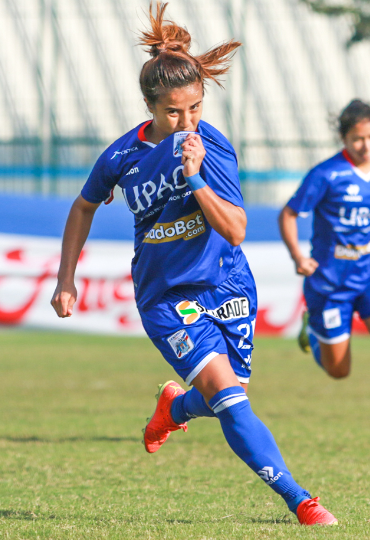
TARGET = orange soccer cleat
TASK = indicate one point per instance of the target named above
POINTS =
(310, 512)
(160, 425)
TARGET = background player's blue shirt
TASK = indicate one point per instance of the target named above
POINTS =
(339, 195)
(174, 243)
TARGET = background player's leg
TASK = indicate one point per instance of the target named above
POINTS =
(315, 348)
(248, 437)
(336, 358)
(329, 331)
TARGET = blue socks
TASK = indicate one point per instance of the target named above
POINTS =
(250, 439)
(247, 436)
(189, 405)
(315, 348)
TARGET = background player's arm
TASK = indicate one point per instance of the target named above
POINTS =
(75, 234)
(305, 266)
(227, 219)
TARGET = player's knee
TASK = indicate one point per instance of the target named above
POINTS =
(339, 371)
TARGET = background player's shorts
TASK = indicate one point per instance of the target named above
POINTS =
(190, 326)
(331, 320)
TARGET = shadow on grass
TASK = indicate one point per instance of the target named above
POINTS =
(69, 439)
(17, 514)
(182, 521)
(286, 520)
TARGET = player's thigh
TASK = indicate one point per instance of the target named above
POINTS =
(331, 322)
(215, 376)
(336, 358)
(237, 301)
(186, 342)
(245, 386)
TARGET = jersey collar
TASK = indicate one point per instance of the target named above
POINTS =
(361, 174)
(141, 134)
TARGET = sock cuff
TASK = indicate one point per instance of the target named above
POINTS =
(227, 398)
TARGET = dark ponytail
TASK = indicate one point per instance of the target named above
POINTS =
(356, 111)
(172, 66)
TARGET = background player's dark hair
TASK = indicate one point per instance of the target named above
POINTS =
(356, 111)
(172, 66)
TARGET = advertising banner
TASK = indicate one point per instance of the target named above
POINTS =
(105, 304)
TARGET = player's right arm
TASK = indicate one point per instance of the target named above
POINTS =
(305, 266)
(75, 234)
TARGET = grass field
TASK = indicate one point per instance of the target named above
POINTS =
(73, 466)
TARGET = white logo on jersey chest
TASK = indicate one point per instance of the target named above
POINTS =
(353, 191)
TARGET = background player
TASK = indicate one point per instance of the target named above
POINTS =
(337, 274)
(193, 286)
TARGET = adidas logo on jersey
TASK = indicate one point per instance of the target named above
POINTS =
(267, 474)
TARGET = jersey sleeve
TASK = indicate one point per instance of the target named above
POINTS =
(311, 191)
(223, 176)
(100, 183)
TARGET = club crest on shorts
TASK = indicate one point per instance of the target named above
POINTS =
(181, 343)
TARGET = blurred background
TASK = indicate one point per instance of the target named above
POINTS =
(69, 87)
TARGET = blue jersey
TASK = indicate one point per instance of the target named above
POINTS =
(174, 243)
(339, 194)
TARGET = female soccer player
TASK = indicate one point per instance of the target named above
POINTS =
(337, 274)
(193, 286)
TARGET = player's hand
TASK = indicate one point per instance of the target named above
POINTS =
(63, 299)
(306, 266)
(193, 153)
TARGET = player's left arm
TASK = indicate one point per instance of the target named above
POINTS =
(227, 219)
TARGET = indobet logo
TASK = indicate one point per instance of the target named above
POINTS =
(185, 228)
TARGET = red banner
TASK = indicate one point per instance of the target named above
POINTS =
(105, 304)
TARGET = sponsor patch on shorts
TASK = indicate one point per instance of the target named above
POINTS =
(181, 343)
(232, 309)
(332, 318)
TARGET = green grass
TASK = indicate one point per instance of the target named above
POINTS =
(73, 466)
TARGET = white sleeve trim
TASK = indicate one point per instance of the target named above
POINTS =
(329, 341)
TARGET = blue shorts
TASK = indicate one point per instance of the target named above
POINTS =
(190, 326)
(331, 320)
